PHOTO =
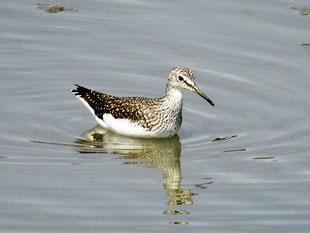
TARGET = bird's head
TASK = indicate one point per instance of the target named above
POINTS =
(182, 78)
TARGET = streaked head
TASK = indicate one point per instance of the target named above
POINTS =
(182, 78)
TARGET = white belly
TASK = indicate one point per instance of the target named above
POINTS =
(128, 128)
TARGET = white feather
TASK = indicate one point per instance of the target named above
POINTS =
(129, 128)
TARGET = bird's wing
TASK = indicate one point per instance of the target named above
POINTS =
(100, 104)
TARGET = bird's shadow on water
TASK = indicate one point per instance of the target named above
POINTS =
(163, 154)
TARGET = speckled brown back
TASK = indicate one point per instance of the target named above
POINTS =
(139, 110)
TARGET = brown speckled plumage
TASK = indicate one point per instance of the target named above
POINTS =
(139, 110)
(153, 114)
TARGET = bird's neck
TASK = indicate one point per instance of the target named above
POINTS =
(173, 97)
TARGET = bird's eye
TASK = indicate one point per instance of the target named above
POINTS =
(180, 78)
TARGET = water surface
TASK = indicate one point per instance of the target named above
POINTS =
(242, 166)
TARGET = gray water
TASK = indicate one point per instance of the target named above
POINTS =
(241, 166)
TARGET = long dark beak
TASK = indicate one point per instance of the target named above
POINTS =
(199, 92)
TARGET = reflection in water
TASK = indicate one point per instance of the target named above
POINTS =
(154, 153)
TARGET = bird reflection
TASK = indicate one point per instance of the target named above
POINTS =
(154, 153)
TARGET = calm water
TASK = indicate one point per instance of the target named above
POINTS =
(242, 166)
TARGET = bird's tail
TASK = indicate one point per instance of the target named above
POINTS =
(80, 91)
